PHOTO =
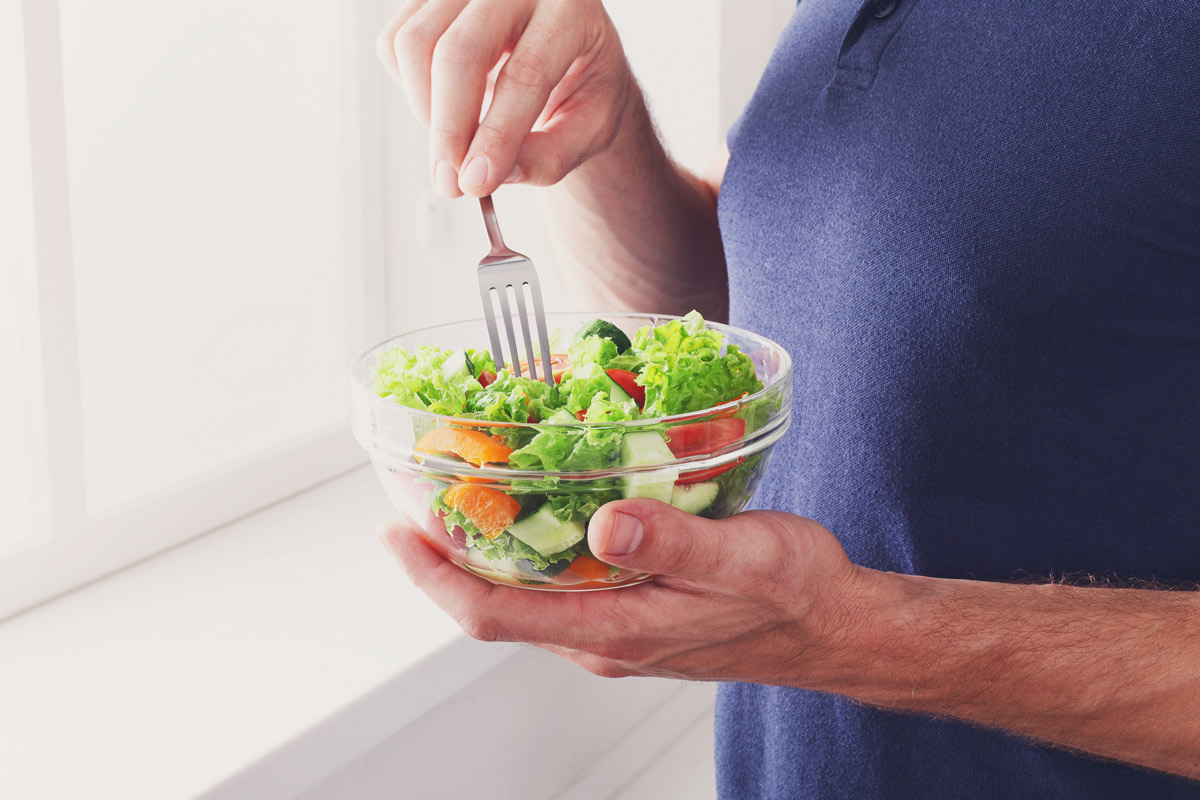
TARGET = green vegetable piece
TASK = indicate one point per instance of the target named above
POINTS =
(546, 533)
(696, 497)
(420, 379)
(648, 449)
(689, 367)
(458, 366)
(616, 394)
(605, 330)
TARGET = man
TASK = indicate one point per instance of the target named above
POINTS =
(976, 228)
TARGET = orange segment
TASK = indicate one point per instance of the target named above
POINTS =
(475, 479)
(491, 511)
(590, 568)
(475, 447)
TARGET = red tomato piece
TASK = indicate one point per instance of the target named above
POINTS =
(628, 381)
(486, 378)
(699, 438)
(580, 414)
(702, 475)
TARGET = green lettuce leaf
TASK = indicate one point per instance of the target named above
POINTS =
(689, 368)
(513, 399)
(580, 505)
(415, 378)
(587, 377)
(570, 449)
(683, 366)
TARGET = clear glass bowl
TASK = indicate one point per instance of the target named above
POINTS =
(727, 447)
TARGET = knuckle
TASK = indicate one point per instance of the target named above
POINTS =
(458, 48)
(491, 133)
(526, 70)
(447, 138)
(716, 554)
(556, 166)
(778, 561)
(413, 41)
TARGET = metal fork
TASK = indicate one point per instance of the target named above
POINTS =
(500, 270)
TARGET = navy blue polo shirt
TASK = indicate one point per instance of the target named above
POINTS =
(976, 227)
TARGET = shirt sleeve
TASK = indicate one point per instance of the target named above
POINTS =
(731, 135)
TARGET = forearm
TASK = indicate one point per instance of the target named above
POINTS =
(1112, 672)
(630, 229)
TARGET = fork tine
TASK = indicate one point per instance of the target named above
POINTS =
(489, 317)
(519, 290)
(508, 328)
(539, 318)
(500, 270)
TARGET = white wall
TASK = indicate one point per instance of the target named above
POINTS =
(698, 63)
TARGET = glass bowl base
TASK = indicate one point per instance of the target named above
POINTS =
(501, 579)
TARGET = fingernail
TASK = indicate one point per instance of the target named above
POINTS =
(514, 176)
(475, 173)
(625, 536)
(445, 179)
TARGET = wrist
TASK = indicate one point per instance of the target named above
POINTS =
(864, 626)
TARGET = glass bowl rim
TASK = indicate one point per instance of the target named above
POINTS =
(368, 393)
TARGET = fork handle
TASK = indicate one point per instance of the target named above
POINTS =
(492, 225)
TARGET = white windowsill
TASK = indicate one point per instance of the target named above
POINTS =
(252, 661)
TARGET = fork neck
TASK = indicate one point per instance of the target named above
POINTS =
(493, 226)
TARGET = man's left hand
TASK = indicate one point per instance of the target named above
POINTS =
(761, 597)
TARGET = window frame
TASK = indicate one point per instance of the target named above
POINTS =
(71, 547)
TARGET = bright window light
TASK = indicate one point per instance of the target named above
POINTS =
(204, 147)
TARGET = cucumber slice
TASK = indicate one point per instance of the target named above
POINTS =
(615, 392)
(647, 449)
(546, 533)
(696, 497)
(458, 364)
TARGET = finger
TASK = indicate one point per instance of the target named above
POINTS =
(539, 60)
(413, 45)
(385, 44)
(462, 58)
(484, 610)
(427, 568)
(652, 536)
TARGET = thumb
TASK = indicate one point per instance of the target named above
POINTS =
(652, 536)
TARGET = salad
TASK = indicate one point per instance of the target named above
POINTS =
(517, 497)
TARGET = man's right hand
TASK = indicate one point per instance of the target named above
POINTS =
(558, 99)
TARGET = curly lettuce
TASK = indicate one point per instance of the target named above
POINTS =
(512, 399)
(435, 379)
(683, 366)
(688, 367)
(569, 449)
(421, 378)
